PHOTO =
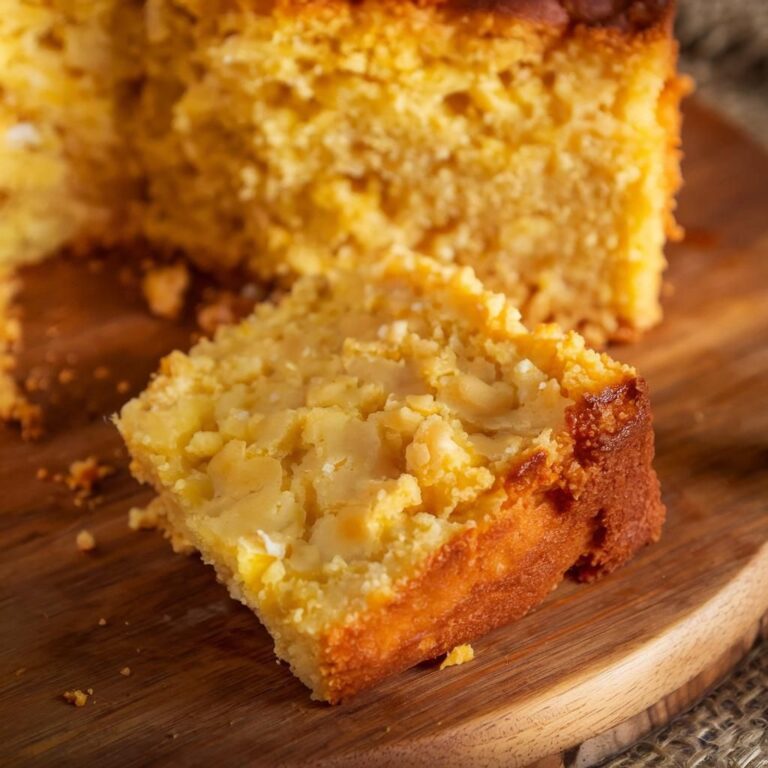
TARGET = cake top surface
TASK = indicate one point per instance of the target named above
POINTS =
(624, 15)
(366, 417)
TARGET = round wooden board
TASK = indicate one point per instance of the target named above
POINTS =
(595, 666)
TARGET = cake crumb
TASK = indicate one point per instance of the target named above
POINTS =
(84, 474)
(211, 316)
(142, 519)
(85, 541)
(36, 381)
(164, 289)
(19, 410)
(66, 376)
(461, 654)
(102, 622)
(77, 697)
(101, 372)
(125, 671)
(123, 386)
(222, 307)
(42, 473)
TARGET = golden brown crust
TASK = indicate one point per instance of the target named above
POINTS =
(626, 16)
(589, 520)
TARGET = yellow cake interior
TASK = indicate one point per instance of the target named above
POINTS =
(319, 452)
(287, 138)
(65, 68)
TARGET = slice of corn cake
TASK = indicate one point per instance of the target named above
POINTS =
(387, 464)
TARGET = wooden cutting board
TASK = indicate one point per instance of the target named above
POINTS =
(595, 666)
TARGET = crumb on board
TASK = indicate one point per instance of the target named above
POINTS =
(85, 541)
(461, 654)
(123, 386)
(30, 418)
(125, 671)
(42, 473)
(101, 372)
(164, 289)
(15, 408)
(142, 519)
(77, 698)
(84, 474)
(36, 381)
(210, 316)
(224, 307)
(102, 622)
(66, 376)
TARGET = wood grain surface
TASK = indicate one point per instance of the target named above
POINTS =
(588, 667)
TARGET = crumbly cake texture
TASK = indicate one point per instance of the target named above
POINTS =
(14, 406)
(387, 464)
(535, 141)
(65, 66)
(461, 654)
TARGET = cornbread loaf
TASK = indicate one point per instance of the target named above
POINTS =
(535, 140)
(387, 464)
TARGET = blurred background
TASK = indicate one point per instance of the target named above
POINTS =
(724, 46)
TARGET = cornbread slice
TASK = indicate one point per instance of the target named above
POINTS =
(534, 140)
(387, 464)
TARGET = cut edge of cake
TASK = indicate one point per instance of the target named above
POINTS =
(585, 511)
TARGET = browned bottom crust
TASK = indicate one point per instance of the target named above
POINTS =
(588, 521)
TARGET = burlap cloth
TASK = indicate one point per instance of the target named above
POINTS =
(728, 729)
(724, 45)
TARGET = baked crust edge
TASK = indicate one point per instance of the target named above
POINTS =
(586, 521)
